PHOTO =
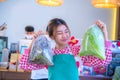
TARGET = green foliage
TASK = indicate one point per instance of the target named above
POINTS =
(93, 43)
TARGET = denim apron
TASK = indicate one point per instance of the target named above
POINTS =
(64, 68)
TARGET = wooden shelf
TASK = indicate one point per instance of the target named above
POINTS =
(12, 75)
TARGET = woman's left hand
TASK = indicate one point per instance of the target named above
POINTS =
(102, 26)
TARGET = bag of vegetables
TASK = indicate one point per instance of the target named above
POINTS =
(93, 43)
(41, 52)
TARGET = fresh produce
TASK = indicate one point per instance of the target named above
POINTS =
(41, 52)
(93, 43)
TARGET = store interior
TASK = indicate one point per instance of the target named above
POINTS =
(79, 15)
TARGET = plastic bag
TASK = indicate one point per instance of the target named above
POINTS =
(41, 52)
(93, 43)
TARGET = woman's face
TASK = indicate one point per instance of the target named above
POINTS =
(61, 35)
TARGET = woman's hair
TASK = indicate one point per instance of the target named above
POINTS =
(54, 23)
(29, 28)
(47, 29)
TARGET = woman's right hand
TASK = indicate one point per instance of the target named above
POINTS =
(35, 35)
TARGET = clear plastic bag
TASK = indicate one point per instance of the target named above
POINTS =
(41, 52)
(93, 43)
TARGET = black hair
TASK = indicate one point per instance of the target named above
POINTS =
(54, 23)
(29, 28)
(47, 29)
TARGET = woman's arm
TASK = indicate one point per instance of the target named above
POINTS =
(94, 61)
(24, 64)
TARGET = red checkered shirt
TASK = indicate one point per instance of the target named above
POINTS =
(93, 61)
(73, 50)
(24, 64)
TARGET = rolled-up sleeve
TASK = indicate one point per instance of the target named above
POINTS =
(94, 61)
(25, 65)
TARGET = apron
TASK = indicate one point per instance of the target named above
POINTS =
(64, 68)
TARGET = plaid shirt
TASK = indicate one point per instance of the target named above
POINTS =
(93, 61)
(87, 60)
(24, 64)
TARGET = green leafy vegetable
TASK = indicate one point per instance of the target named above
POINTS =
(93, 43)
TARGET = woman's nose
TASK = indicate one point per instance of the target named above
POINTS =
(64, 35)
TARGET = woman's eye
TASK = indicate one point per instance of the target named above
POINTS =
(59, 33)
(67, 31)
